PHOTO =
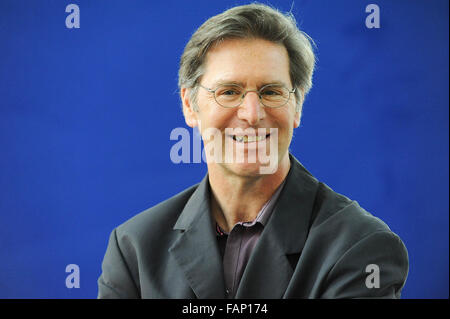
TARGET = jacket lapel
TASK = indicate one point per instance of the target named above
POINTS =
(269, 271)
(196, 250)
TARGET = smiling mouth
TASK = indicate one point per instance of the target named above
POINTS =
(250, 138)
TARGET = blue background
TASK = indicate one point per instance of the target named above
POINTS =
(85, 143)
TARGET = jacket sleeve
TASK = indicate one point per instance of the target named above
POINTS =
(374, 267)
(116, 280)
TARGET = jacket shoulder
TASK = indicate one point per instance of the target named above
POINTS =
(345, 239)
(346, 216)
(161, 217)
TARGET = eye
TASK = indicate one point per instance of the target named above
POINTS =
(272, 91)
(228, 91)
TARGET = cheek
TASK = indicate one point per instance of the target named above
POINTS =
(220, 118)
(285, 124)
(283, 119)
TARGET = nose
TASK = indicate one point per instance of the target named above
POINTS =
(251, 109)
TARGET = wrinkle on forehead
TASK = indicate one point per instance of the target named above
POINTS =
(247, 62)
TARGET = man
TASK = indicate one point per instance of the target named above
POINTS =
(246, 232)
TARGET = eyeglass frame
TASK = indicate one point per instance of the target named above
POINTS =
(245, 93)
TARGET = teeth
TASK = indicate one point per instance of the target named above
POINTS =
(249, 139)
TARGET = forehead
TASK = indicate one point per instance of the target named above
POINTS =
(251, 62)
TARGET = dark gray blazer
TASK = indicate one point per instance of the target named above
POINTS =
(316, 244)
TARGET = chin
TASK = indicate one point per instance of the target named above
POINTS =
(250, 169)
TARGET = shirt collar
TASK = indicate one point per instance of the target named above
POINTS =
(263, 215)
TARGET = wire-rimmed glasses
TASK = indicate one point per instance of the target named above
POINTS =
(232, 95)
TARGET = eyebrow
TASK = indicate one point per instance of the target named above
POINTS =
(241, 84)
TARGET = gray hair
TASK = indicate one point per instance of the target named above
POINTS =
(249, 21)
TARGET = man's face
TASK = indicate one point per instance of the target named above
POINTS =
(251, 63)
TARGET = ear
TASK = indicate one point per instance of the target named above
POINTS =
(298, 109)
(190, 115)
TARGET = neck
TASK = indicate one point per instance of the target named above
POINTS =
(237, 198)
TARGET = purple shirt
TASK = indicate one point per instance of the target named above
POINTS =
(237, 246)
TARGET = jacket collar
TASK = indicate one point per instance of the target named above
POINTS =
(196, 250)
(268, 271)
